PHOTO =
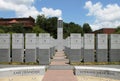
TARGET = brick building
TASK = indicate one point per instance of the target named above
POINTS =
(105, 30)
(26, 22)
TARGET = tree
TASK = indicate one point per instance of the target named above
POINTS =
(51, 26)
(17, 28)
(47, 24)
(41, 21)
(66, 30)
(117, 30)
(71, 28)
(2, 31)
(38, 30)
(5, 29)
(87, 28)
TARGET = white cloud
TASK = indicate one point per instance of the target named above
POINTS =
(51, 12)
(108, 16)
(25, 2)
(25, 8)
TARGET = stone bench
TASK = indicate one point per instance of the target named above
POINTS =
(104, 72)
(22, 71)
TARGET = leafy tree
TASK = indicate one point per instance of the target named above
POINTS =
(5, 29)
(75, 28)
(87, 28)
(117, 30)
(2, 31)
(51, 26)
(17, 28)
(41, 21)
(38, 30)
(47, 24)
(66, 30)
(71, 28)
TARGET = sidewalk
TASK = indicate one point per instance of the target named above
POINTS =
(59, 75)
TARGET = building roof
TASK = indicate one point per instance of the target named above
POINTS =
(27, 22)
(105, 30)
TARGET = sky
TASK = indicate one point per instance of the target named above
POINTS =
(98, 13)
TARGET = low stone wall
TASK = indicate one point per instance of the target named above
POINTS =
(22, 71)
(113, 73)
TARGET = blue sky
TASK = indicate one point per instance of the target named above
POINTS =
(98, 13)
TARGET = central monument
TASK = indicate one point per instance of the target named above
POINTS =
(60, 46)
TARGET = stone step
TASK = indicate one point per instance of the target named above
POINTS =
(60, 67)
(59, 56)
(59, 59)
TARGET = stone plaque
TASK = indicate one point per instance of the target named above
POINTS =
(114, 55)
(44, 48)
(4, 47)
(115, 41)
(17, 47)
(75, 41)
(89, 48)
(30, 53)
(89, 41)
(17, 41)
(4, 41)
(44, 41)
(102, 41)
(102, 48)
(75, 51)
(31, 41)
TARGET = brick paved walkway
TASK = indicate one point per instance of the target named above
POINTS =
(59, 75)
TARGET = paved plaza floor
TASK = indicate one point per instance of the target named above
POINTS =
(57, 74)
(60, 70)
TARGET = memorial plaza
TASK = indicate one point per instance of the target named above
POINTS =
(31, 57)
